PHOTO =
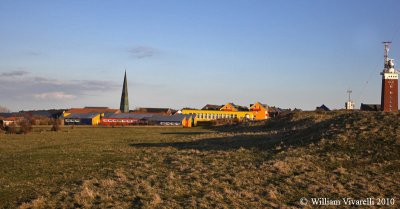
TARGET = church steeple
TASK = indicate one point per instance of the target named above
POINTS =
(124, 107)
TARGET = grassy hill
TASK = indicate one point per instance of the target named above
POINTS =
(256, 165)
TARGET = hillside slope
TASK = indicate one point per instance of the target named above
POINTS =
(268, 164)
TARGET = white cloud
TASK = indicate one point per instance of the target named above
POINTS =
(55, 95)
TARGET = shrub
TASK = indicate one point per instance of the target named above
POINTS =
(25, 126)
(10, 129)
(2, 131)
(56, 125)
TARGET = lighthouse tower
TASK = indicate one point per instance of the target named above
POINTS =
(389, 95)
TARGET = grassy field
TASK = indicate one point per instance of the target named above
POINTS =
(261, 165)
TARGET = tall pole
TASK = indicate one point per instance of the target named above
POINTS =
(386, 60)
(349, 92)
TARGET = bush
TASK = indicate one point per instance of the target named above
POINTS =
(10, 129)
(2, 129)
(225, 121)
(56, 125)
(25, 126)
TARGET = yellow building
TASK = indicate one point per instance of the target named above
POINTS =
(228, 111)
(257, 111)
(209, 115)
(82, 119)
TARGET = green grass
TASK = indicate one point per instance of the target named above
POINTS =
(259, 165)
(42, 162)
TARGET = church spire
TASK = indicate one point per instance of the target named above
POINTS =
(124, 107)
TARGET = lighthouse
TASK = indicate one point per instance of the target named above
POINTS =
(390, 77)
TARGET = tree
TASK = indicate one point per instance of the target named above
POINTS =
(4, 109)
(25, 126)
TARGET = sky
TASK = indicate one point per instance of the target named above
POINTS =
(291, 54)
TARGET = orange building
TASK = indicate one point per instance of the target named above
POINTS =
(260, 111)
(233, 107)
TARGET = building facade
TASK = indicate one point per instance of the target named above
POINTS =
(257, 111)
(184, 120)
(10, 120)
(82, 119)
(260, 111)
(349, 105)
(210, 115)
(122, 119)
(227, 111)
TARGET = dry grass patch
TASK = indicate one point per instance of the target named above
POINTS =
(263, 165)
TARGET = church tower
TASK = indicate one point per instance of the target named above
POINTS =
(390, 77)
(124, 107)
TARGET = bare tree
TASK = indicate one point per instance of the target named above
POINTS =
(4, 109)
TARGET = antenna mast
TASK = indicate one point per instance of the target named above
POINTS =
(349, 92)
(386, 60)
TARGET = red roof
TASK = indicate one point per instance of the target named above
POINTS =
(13, 118)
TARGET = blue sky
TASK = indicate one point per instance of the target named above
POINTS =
(62, 54)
